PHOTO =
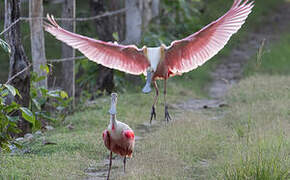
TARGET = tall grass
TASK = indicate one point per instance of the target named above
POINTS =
(267, 162)
(263, 158)
(274, 59)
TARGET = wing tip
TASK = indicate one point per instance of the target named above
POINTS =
(51, 21)
(243, 3)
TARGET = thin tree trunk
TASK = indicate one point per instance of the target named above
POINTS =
(133, 21)
(67, 71)
(155, 8)
(37, 39)
(18, 59)
(138, 16)
(105, 28)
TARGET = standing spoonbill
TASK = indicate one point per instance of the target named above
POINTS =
(118, 137)
(160, 62)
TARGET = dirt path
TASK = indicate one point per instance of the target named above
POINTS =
(225, 76)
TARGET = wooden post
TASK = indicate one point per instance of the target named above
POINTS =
(68, 67)
(37, 39)
(18, 59)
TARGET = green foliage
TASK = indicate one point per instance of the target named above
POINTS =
(267, 162)
(5, 46)
(185, 15)
(44, 101)
(8, 119)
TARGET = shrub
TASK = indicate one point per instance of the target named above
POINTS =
(8, 120)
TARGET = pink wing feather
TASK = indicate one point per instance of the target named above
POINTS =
(189, 53)
(129, 58)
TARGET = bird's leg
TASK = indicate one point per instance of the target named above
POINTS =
(124, 164)
(110, 165)
(153, 114)
(167, 116)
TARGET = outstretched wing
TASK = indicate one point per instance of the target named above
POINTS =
(129, 58)
(189, 53)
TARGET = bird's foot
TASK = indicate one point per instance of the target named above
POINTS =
(153, 114)
(167, 115)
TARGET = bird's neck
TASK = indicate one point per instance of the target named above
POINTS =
(113, 121)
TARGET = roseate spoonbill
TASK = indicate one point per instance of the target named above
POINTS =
(118, 137)
(160, 62)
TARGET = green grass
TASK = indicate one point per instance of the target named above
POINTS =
(248, 140)
(82, 147)
(251, 141)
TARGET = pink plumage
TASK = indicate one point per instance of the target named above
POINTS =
(118, 137)
(189, 53)
(123, 146)
(129, 58)
(163, 62)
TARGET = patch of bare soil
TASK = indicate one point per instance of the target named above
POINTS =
(224, 77)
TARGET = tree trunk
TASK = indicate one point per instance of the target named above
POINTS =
(133, 21)
(18, 59)
(105, 28)
(67, 72)
(138, 16)
(155, 8)
(37, 39)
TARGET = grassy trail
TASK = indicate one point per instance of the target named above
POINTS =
(248, 139)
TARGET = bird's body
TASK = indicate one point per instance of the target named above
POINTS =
(165, 61)
(118, 137)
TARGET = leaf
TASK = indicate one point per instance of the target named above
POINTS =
(116, 36)
(28, 115)
(5, 46)
(40, 78)
(54, 93)
(43, 91)
(19, 146)
(9, 108)
(18, 94)
(63, 94)
(11, 89)
(4, 93)
(37, 126)
(45, 68)
(46, 116)
(36, 103)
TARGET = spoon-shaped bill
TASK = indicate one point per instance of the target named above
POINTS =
(113, 104)
(147, 87)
